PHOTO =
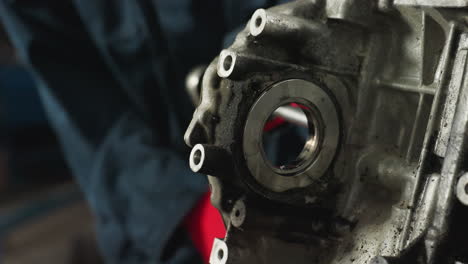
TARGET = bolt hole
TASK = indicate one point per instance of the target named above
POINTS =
(237, 213)
(466, 189)
(258, 21)
(227, 62)
(197, 157)
(220, 254)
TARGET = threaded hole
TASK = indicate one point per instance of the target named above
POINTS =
(197, 157)
(227, 62)
(220, 254)
(237, 213)
(258, 21)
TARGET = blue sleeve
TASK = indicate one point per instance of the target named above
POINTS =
(101, 73)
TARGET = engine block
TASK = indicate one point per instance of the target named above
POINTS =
(380, 90)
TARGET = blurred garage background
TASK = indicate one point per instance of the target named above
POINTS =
(43, 218)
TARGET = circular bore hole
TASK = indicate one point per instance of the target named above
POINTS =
(220, 254)
(291, 138)
(197, 157)
(258, 21)
(466, 189)
(227, 63)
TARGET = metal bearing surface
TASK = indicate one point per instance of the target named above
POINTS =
(315, 164)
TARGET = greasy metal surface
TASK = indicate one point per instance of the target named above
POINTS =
(386, 88)
(462, 189)
(460, 64)
(318, 151)
(434, 3)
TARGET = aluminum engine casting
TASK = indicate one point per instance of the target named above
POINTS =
(381, 86)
